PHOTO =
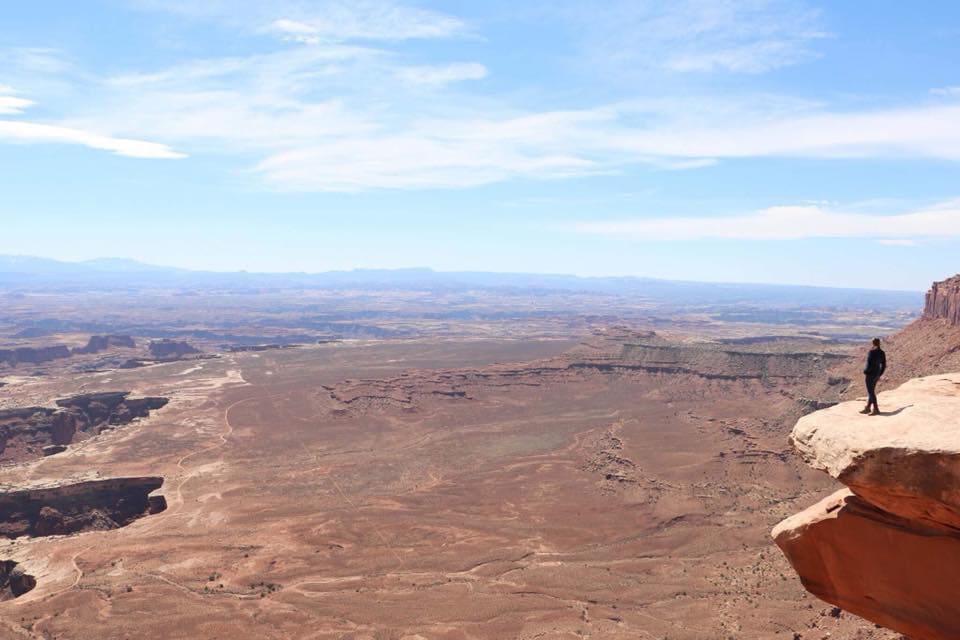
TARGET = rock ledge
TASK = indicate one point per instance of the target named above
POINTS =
(887, 548)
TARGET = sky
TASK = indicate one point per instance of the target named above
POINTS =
(757, 141)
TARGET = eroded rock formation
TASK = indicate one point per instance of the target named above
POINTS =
(33, 355)
(171, 349)
(887, 548)
(14, 581)
(796, 366)
(83, 506)
(943, 301)
(28, 432)
(96, 344)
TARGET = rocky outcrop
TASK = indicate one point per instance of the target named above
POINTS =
(943, 301)
(33, 355)
(96, 344)
(887, 548)
(171, 349)
(796, 367)
(83, 506)
(29, 432)
(14, 581)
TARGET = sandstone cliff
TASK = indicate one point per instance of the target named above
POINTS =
(96, 344)
(83, 506)
(887, 548)
(943, 301)
(29, 432)
(926, 346)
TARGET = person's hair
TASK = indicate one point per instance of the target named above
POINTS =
(876, 342)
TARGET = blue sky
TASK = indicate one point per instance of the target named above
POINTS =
(762, 141)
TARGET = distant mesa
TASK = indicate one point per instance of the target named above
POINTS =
(33, 355)
(96, 344)
(32, 432)
(171, 349)
(886, 548)
(39, 355)
(943, 301)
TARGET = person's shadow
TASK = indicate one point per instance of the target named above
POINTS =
(894, 412)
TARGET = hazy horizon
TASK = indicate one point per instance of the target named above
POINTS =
(770, 141)
(105, 261)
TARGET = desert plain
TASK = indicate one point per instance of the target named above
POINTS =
(607, 480)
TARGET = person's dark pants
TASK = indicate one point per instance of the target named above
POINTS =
(872, 392)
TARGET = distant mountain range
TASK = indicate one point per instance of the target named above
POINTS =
(29, 273)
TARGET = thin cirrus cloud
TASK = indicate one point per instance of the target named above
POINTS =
(437, 75)
(789, 223)
(695, 36)
(24, 132)
(32, 132)
(321, 111)
(11, 104)
(319, 20)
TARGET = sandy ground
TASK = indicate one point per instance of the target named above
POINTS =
(305, 502)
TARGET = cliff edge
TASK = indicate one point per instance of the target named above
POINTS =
(887, 547)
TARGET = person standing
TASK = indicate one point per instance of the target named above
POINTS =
(876, 365)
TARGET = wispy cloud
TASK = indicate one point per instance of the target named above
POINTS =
(32, 132)
(10, 104)
(437, 75)
(320, 20)
(946, 91)
(789, 223)
(696, 35)
(339, 105)
(23, 132)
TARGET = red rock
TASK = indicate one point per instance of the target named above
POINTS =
(890, 570)
(888, 547)
(943, 301)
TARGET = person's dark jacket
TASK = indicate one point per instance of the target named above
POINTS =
(876, 363)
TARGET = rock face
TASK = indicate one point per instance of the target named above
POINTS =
(33, 355)
(14, 581)
(171, 349)
(28, 432)
(84, 506)
(943, 301)
(887, 548)
(96, 344)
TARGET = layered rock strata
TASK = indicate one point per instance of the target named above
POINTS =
(82, 506)
(887, 547)
(943, 301)
(28, 432)
(96, 344)
(33, 355)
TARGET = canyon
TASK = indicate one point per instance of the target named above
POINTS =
(30, 432)
(510, 465)
(92, 505)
